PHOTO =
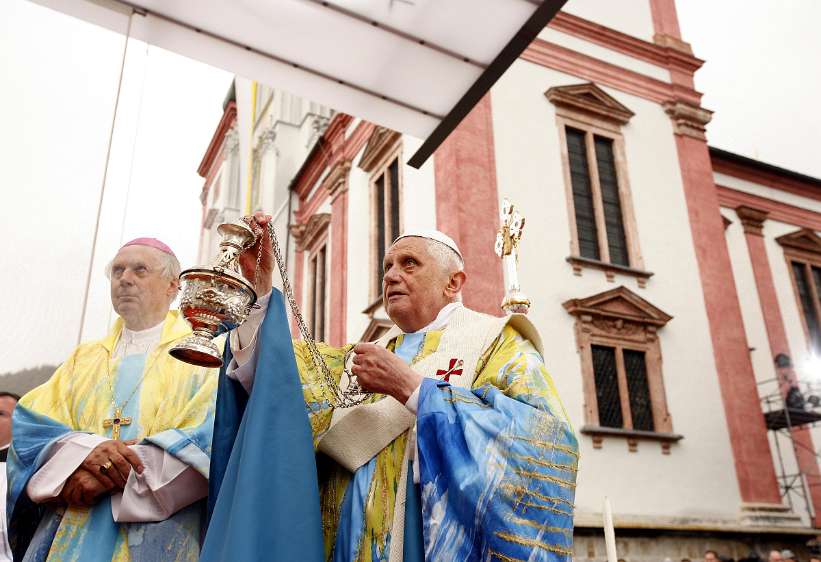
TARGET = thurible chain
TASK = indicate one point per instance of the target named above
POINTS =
(353, 393)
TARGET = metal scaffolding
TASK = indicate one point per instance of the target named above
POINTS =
(791, 406)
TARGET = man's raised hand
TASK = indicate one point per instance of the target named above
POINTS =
(378, 370)
(248, 258)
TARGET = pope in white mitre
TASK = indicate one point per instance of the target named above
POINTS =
(463, 450)
(109, 458)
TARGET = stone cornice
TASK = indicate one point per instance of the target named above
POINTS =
(229, 116)
(563, 59)
(664, 51)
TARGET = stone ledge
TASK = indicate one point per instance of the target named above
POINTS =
(633, 436)
(769, 515)
(788, 525)
(610, 269)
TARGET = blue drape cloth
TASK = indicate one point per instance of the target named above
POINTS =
(497, 476)
(264, 502)
(33, 433)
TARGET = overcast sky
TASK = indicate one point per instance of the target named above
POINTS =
(58, 78)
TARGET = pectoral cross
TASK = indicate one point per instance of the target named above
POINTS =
(115, 422)
(453, 370)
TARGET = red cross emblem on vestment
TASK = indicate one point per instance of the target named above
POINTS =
(454, 369)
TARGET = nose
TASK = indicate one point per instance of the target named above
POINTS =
(127, 277)
(390, 276)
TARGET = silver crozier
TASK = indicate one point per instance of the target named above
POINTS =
(507, 248)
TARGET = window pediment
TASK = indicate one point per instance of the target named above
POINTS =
(308, 233)
(381, 142)
(803, 239)
(618, 304)
(616, 335)
(590, 99)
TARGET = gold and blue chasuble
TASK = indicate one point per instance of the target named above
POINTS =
(172, 408)
(497, 463)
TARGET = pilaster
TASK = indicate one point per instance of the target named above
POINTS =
(745, 422)
(467, 205)
(337, 186)
(753, 220)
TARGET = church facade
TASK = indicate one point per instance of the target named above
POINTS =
(677, 286)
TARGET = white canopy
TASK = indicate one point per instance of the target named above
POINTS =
(416, 66)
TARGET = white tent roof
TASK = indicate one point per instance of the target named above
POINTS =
(416, 66)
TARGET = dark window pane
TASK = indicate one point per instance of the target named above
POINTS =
(320, 295)
(803, 284)
(607, 386)
(380, 226)
(641, 405)
(582, 195)
(611, 202)
(394, 179)
(816, 275)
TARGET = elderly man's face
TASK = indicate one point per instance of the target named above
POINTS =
(139, 291)
(414, 285)
(7, 404)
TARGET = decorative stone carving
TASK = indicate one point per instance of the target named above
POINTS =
(751, 219)
(619, 310)
(617, 326)
(336, 182)
(319, 124)
(589, 98)
(306, 234)
(381, 143)
(232, 140)
(803, 239)
(267, 138)
(688, 120)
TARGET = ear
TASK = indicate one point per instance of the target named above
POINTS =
(455, 283)
(173, 288)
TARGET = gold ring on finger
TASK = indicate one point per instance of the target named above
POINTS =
(104, 468)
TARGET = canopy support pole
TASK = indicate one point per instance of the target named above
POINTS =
(102, 187)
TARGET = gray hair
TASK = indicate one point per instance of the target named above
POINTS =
(170, 267)
(449, 260)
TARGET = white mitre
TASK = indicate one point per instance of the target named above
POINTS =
(431, 234)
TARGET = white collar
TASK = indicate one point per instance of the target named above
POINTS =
(142, 336)
(441, 319)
